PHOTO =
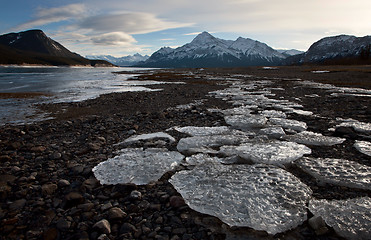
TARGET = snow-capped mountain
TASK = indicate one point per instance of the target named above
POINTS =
(126, 61)
(206, 50)
(290, 52)
(337, 49)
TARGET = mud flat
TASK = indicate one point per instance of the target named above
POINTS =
(50, 189)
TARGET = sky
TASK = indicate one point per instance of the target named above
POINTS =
(126, 27)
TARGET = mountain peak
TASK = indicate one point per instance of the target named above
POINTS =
(203, 38)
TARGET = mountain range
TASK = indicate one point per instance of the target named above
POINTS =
(206, 50)
(34, 47)
(341, 49)
(126, 61)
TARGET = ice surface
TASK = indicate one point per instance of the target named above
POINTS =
(258, 196)
(207, 144)
(337, 171)
(272, 132)
(289, 123)
(136, 165)
(350, 218)
(302, 112)
(356, 125)
(203, 131)
(246, 122)
(270, 152)
(149, 136)
(363, 147)
(316, 139)
(274, 113)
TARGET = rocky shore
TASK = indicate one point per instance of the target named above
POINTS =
(48, 189)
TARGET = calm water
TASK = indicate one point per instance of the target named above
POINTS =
(63, 84)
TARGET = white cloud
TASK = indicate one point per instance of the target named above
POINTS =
(45, 16)
(113, 38)
(132, 23)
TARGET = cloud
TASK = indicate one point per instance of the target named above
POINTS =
(51, 15)
(113, 38)
(131, 23)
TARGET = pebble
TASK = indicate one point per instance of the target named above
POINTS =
(63, 183)
(136, 195)
(116, 214)
(103, 226)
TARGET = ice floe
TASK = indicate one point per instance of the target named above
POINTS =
(350, 218)
(302, 112)
(316, 139)
(273, 113)
(138, 166)
(259, 196)
(246, 122)
(270, 152)
(337, 171)
(363, 146)
(149, 136)
(356, 125)
(272, 132)
(204, 131)
(208, 144)
(289, 123)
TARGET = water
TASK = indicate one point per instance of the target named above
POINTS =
(58, 84)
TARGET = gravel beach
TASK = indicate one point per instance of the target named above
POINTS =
(48, 189)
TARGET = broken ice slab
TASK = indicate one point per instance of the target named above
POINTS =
(148, 137)
(337, 171)
(273, 113)
(205, 131)
(207, 144)
(311, 138)
(270, 152)
(272, 132)
(349, 218)
(302, 112)
(289, 123)
(246, 122)
(356, 125)
(262, 197)
(363, 146)
(200, 159)
(138, 166)
(243, 110)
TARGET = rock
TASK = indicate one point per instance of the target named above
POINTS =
(63, 224)
(103, 237)
(94, 146)
(56, 155)
(177, 201)
(50, 234)
(318, 225)
(63, 183)
(38, 149)
(86, 207)
(103, 226)
(115, 214)
(17, 205)
(5, 158)
(106, 206)
(48, 189)
(90, 184)
(136, 195)
(128, 228)
(72, 199)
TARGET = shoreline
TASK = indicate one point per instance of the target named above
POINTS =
(48, 190)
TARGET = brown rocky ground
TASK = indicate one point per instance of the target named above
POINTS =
(48, 191)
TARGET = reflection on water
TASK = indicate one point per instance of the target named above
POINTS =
(57, 84)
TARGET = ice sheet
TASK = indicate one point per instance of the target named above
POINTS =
(270, 152)
(149, 136)
(316, 139)
(337, 171)
(350, 218)
(246, 122)
(363, 146)
(207, 144)
(289, 123)
(136, 165)
(258, 196)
